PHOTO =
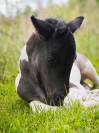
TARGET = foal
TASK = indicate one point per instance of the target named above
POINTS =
(46, 62)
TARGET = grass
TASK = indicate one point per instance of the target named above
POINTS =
(15, 114)
(17, 117)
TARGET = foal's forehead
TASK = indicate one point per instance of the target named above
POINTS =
(52, 21)
(56, 22)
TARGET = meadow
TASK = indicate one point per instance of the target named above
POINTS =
(15, 114)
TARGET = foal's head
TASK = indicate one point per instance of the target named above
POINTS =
(54, 53)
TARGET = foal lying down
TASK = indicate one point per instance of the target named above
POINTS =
(51, 72)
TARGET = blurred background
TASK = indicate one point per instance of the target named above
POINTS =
(16, 28)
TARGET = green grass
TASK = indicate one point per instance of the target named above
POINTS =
(17, 117)
(15, 114)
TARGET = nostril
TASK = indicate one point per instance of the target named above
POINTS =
(58, 100)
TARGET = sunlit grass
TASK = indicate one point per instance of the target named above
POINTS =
(16, 116)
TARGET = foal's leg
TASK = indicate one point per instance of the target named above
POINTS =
(33, 96)
(86, 97)
(87, 69)
(90, 73)
(39, 106)
(76, 92)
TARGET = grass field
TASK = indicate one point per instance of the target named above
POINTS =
(15, 114)
(17, 117)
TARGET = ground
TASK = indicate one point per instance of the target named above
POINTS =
(17, 117)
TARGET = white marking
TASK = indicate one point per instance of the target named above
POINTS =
(90, 103)
(17, 80)
(93, 95)
(79, 93)
(39, 106)
(23, 55)
(75, 75)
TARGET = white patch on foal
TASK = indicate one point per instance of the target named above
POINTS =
(77, 92)
(23, 55)
(86, 97)
(39, 106)
(75, 75)
(17, 80)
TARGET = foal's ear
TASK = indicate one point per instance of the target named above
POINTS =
(42, 27)
(75, 24)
